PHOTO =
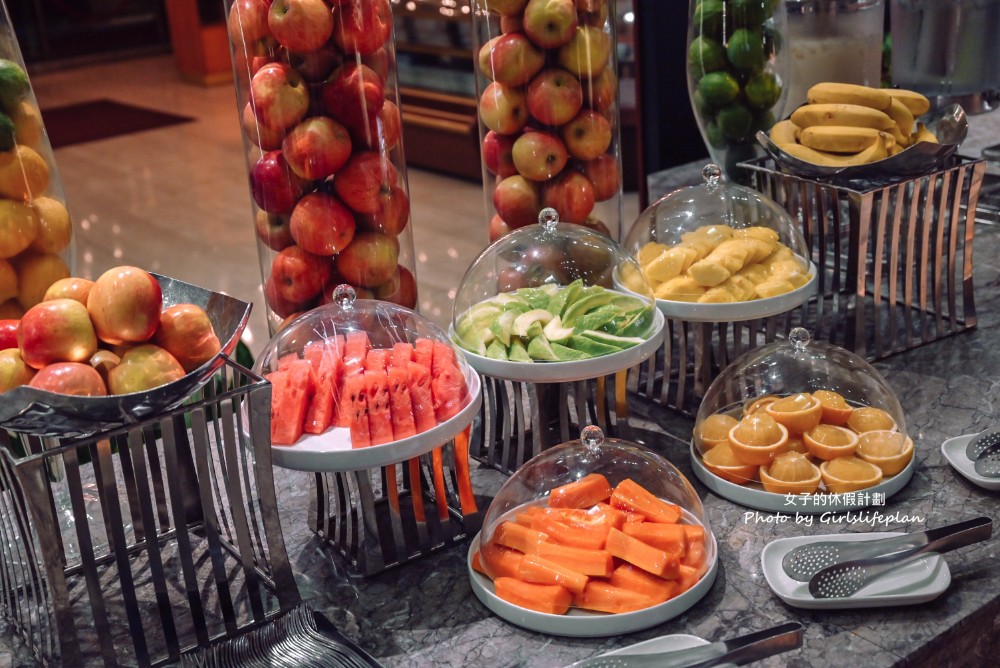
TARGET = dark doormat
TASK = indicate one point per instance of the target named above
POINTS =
(102, 119)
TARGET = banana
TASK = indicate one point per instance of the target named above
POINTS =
(855, 115)
(838, 138)
(914, 101)
(841, 93)
(902, 115)
(876, 151)
(923, 134)
(895, 148)
(783, 132)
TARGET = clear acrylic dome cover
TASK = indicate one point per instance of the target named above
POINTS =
(537, 263)
(615, 459)
(694, 222)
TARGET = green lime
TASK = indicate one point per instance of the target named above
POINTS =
(718, 88)
(763, 120)
(13, 84)
(762, 90)
(7, 131)
(735, 122)
(703, 109)
(746, 49)
(751, 13)
(705, 55)
(772, 41)
(707, 17)
(713, 134)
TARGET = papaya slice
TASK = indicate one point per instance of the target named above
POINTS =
(666, 537)
(591, 537)
(597, 563)
(645, 556)
(540, 570)
(688, 578)
(635, 579)
(521, 538)
(583, 493)
(552, 599)
(477, 564)
(606, 597)
(499, 560)
(633, 497)
(612, 515)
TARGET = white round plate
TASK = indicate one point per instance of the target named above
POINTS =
(585, 623)
(916, 582)
(954, 451)
(332, 451)
(753, 494)
(568, 372)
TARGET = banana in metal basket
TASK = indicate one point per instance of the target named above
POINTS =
(783, 132)
(838, 138)
(854, 115)
(904, 117)
(842, 93)
(923, 134)
(914, 101)
(876, 151)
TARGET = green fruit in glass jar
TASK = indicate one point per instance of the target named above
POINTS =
(13, 85)
(762, 90)
(763, 120)
(746, 49)
(718, 88)
(707, 18)
(705, 55)
(703, 109)
(7, 132)
(750, 13)
(735, 122)
(713, 134)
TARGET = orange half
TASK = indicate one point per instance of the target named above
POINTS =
(827, 442)
(798, 412)
(790, 473)
(849, 474)
(836, 410)
(757, 439)
(721, 461)
(714, 430)
(891, 451)
(758, 404)
(870, 419)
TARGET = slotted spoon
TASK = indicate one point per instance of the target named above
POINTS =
(988, 464)
(983, 443)
(847, 578)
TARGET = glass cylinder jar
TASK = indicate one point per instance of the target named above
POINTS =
(547, 82)
(736, 75)
(36, 232)
(833, 40)
(318, 100)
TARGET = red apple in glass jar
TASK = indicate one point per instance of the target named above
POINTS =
(510, 24)
(510, 59)
(597, 16)
(186, 332)
(72, 378)
(539, 156)
(517, 201)
(393, 213)
(362, 26)
(554, 97)
(550, 23)
(143, 367)
(56, 331)
(281, 306)
(321, 224)
(247, 21)
(69, 288)
(503, 108)
(124, 305)
(571, 194)
(378, 62)
(314, 66)
(300, 25)
(299, 275)
(280, 96)
(8, 334)
(400, 289)
(370, 260)
(317, 147)
(498, 228)
(353, 94)
(380, 131)
(587, 136)
(266, 139)
(587, 54)
(274, 186)
(497, 154)
(13, 371)
(604, 173)
(599, 93)
(275, 231)
(363, 181)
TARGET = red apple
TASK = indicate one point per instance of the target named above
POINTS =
(279, 95)
(142, 368)
(13, 371)
(497, 154)
(321, 224)
(370, 260)
(317, 147)
(275, 231)
(587, 53)
(72, 378)
(393, 213)
(56, 331)
(604, 173)
(510, 59)
(315, 66)
(273, 184)
(597, 16)
(400, 289)
(509, 24)
(503, 109)
(362, 182)
(539, 155)
(69, 288)
(353, 94)
(554, 97)
(186, 332)
(266, 139)
(247, 21)
(550, 23)
(498, 228)
(389, 126)
(572, 195)
(124, 305)
(281, 306)
(362, 26)
(517, 201)
(599, 93)
(8, 334)
(587, 136)
(300, 25)
(299, 275)
(378, 62)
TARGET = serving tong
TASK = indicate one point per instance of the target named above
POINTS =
(984, 451)
(847, 576)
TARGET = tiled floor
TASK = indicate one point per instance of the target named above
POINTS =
(175, 200)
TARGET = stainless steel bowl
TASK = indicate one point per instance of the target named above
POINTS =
(32, 411)
(949, 125)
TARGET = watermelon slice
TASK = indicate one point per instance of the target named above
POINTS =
(325, 360)
(449, 391)
(402, 355)
(342, 409)
(444, 356)
(377, 359)
(285, 361)
(379, 417)
(401, 407)
(291, 392)
(419, 380)
(356, 347)
(356, 400)
(423, 353)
